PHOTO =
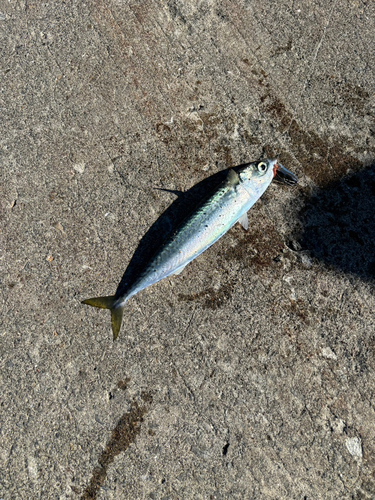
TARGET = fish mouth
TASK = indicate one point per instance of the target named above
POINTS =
(283, 175)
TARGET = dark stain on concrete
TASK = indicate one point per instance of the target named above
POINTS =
(146, 397)
(346, 94)
(123, 384)
(212, 299)
(190, 135)
(123, 435)
(323, 161)
(258, 247)
(284, 48)
(300, 309)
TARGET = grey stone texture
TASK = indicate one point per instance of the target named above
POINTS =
(250, 375)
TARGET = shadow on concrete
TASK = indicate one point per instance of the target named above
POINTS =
(339, 224)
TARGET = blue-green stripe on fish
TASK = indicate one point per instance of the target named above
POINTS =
(201, 229)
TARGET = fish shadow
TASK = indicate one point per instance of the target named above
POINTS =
(168, 222)
(339, 224)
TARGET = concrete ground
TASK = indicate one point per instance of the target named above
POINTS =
(250, 375)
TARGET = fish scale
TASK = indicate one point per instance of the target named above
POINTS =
(201, 229)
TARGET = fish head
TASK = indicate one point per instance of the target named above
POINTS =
(261, 173)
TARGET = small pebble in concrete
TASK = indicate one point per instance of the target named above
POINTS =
(354, 446)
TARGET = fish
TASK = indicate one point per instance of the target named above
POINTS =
(210, 220)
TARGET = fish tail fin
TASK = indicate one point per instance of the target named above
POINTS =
(117, 311)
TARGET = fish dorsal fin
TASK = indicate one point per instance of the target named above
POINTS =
(232, 178)
(244, 221)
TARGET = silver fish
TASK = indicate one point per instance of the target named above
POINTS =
(201, 229)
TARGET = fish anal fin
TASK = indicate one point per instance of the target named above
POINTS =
(244, 221)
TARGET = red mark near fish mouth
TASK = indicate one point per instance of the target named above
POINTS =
(275, 167)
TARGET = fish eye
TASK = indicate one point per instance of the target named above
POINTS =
(262, 167)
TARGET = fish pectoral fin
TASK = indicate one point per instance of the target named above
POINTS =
(232, 178)
(116, 310)
(179, 270)
(244, 221)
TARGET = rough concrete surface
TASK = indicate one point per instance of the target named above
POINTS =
(250, 375)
